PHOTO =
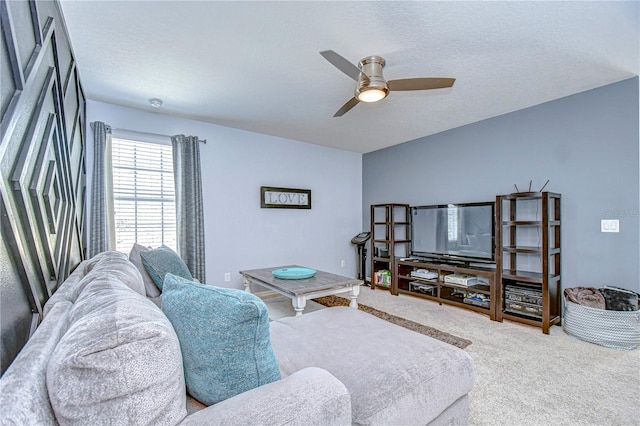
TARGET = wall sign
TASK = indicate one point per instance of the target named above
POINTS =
(284, 198)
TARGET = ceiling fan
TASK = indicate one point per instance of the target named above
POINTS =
(372, 87)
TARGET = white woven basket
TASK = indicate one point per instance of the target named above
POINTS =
(613, 329)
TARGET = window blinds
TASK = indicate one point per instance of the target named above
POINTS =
(143, 194)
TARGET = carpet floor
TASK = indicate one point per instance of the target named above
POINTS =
(403, 322)
(522, 376)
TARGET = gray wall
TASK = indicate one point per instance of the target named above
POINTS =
(586, 144)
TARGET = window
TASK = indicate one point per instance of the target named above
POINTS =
(143, 194)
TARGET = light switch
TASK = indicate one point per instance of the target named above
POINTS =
(609, 225)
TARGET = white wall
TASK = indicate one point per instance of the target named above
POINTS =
(235, 163)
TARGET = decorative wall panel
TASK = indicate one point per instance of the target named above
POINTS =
(42, 164)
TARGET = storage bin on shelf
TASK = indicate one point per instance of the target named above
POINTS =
(613, 329)
(382, 278)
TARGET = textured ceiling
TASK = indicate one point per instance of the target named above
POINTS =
(256, 66)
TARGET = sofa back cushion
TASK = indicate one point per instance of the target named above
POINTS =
(119, 267)
(24, 399)
(119, 361)
(66, 291)
(107, 262)
(224, 336)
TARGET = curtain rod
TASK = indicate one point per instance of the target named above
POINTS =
(155, 135)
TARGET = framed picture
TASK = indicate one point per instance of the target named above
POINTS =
(284, 198)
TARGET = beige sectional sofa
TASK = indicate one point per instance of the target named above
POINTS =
(105, 354)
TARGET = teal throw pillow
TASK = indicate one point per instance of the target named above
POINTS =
(224, 338)
(162, 261)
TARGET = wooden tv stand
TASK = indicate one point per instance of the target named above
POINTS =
(480, 297)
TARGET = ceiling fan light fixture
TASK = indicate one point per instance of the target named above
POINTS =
(371, 95)
(372, 86)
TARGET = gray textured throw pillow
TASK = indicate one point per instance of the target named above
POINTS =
(118, 363)
(150, 287)
(224, 337)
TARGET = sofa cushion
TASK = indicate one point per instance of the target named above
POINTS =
(109, 262)
(161, 261)
(119, 361)
(114, 266)
(150, 287)
(118, 266)
(24, 399)
(66, 292)
(224, 336)
(308, 397)
(394, 375)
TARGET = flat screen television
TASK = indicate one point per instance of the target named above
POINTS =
(456, 232)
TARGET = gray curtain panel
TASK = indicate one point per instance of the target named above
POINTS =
(190, 217)
(99, 227)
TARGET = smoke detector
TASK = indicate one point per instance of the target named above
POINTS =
(155, 102)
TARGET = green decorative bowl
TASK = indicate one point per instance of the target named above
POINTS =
(293, 273)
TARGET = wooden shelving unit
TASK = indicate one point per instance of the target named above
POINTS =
(528, 258)
(390, 237)
(438, 290)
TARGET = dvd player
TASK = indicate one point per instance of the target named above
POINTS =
(461, 279)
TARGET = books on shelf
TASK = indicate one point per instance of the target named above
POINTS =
(382, 278)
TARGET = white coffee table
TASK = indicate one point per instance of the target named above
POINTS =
(299, 291)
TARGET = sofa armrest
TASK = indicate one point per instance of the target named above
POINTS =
(311, 396)
(24, 397)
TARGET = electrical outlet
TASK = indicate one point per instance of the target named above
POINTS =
(227, 277)
(343, 263)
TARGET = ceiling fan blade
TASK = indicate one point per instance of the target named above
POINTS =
(346, 107)
(420, 83)
(342, 64)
